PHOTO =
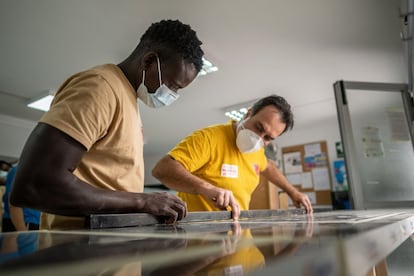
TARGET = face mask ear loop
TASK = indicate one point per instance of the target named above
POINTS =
(242, 123)
(240, 126)
(159, 70)
(143, 77)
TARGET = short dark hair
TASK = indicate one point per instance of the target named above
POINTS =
(174, 36)
(2, 162)
(286, 115)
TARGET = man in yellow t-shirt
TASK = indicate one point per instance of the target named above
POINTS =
(219, 166)
(85, 155)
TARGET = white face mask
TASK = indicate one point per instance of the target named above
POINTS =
(163, 96)
(3, 175)
(247, 140)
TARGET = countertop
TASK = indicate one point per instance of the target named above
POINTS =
(344, 242)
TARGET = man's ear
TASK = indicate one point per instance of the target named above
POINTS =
(148, 59)
(247, 115)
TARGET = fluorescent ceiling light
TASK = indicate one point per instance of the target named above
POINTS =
(207, 68)
(43, 101)
(238, 112)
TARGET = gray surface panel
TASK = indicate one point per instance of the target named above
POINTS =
(326, 243)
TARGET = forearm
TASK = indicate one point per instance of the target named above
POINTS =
(275, 176)
(171, 173)
(17, 218)
(174, 175)
(68, 195)
(81, 199)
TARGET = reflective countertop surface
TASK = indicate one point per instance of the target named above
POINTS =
(325, 243)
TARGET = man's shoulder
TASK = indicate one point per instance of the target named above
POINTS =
(104, 70)
(215, 129)
(109, 67)
(110, 73)
(215, 132)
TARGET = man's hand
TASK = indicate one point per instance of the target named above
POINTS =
(164, 204)
(224, 198)
(299, 199)
(174, 175)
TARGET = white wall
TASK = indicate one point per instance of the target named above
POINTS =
(14, 133)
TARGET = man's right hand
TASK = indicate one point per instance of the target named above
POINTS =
(164, 204)
(224, 198)
(173, 174)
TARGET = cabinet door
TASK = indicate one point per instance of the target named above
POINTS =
(265, 196)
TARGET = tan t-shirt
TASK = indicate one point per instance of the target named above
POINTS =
(98, 108)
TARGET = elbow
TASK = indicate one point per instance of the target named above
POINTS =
(24, 194)
(156, 172)
(159, 170)
(19, 198)
(14, 199)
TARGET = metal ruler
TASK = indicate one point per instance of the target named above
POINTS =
(100, 221)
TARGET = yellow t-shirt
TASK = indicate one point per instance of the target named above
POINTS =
(98, 108)
(244, 261)
(212, 154)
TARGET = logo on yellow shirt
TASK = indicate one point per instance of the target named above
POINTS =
(231, 171)
(256, 169)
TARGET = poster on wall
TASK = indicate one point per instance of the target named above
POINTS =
(303, 179)
(312, 149)
(307, 180)
(340, 175)
(294, 178)
(339, 150)
(292, 162)
(316, 160)
(372, 141)
(321, 179)
(398, 125)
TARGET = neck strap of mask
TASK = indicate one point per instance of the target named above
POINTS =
(159, 70)
(143, 76)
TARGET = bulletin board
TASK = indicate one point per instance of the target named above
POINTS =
(306, 166)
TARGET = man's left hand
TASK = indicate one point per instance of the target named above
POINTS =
(299, 199)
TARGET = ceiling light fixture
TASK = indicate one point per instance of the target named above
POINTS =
(207, 68)
(238, 112)
(42, 101)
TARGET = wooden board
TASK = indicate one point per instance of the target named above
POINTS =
(99, 221)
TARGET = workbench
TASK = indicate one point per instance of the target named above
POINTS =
(290, 242)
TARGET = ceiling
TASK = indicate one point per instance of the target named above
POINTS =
(294, 48)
